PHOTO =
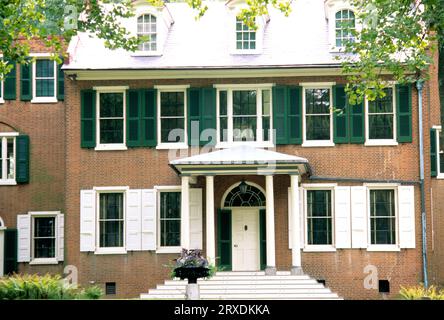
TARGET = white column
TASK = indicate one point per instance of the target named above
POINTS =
(271, 248)
(185, 213)
(295, 226)
(210, 238)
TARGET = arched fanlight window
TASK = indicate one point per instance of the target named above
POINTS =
(344, 26)
(146, 26)
(245, 195)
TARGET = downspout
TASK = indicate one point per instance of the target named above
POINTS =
(419, 87)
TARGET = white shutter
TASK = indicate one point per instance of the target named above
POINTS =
(359, 216)
(134, 220)
(87, 220)
(301, 217)
(342, 217)
(24, 237)
(149, 222)
(406, 196)
(196, 218)
(61, 236)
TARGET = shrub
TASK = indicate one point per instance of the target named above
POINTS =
(91, 293)
(420, 292)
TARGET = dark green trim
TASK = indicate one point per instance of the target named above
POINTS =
(60, 82)
(148, 117)
(341, 125)
(404, 113)
(280, 118)
(88, 118)
(26, 81)
(263, 239)
(10, 264)
(9, 89)
(22, 148)
(294, 111)
(224, 222)
(433, 154)
(133, 116)
(194, 112)
(208, 117)
(357, 123)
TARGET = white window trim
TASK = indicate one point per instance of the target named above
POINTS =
(149, 53)
(439, 174)
(44, 214)
(259, 36)
(316, 143)
(3, 164)
(110, 146)
(383, 247)
(165, 249)
(172, 145)
(36, 99)
(332, 26)
(110, 250)
(323, 247)
(2, 90)
(382, 142)
(259, 143)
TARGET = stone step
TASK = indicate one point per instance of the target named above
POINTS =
(237, 291)
(251, 282)
(270, 296)
(262, 277)
(212, 286)
(250, 273)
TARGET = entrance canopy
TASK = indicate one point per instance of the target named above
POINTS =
(242, 159)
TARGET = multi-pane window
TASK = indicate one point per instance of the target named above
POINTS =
(170, 219)
(172, 116)
(319, 217)
(111, 118)
(344, 26)
(441, 152)
(317, 114)
(45, 78)
(111, 220)
(245, 37)
(1, 91)
(382, 217)
(381, 117)
(7, 159)
(146, 26)
(44, 237)
(245, 115)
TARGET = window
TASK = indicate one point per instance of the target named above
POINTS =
(319, 217)
(318, 116)
(44, 237)
(172, 107)
(381, 118)
(440, 155)
(245, 37)
(344, 27)
(1, 92)
(170, 219)
(111, 118)
(382, 217)
(111, 220)
(244, 115)
(146, 26)
(7, 159)
(44, 86)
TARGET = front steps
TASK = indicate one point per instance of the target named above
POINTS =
(247, 286)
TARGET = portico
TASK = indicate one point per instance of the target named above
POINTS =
(244, 160)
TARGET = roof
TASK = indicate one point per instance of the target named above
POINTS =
(298, 40)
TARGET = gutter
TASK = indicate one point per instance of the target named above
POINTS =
(358, 180)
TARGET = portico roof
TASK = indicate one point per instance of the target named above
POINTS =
(243, 159)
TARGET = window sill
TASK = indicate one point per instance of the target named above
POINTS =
(2, 101)
(146, 54)
(44, 100)
(41, 261)
(246, 52)
(169, 250)
(104, 251)
(8, 183)
(379, 143)
(110, 147)
(393, 248)
(319, 248)
(312, 144)
(178, 145)
(255, 144)
(439, 176)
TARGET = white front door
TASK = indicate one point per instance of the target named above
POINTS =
(245, 239)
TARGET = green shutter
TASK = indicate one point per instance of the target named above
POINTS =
(433, 154)
(9, 90)
(208, 134)
(60, 83)
(149, 119)
(263, 239)
(224, 239)
(194, 104)
(10, 265)
(280, 119)
(26, 81)
(404, 112)
(133, 111)
(88, 119)
(22, 149)
(357, 123)
(340, 115)
(294, 111)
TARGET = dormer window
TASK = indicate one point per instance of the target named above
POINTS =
(344, 26)
(147, 26)
(245, 37)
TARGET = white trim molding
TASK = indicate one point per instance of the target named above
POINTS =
(439, 174)
(49, 99)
